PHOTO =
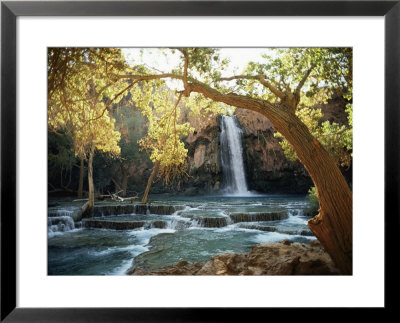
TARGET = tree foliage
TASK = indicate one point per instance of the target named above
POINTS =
(81, 88)
(80, 91)
(163, 141)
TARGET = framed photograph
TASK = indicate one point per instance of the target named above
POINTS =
(154, 153)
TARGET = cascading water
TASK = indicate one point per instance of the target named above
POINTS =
(183, 228)
(232, 157)
(60, 224)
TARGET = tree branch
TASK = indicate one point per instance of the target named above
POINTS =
(232, 99)
(261, 78)
(115, 97)
(303, 80)
(185, 71)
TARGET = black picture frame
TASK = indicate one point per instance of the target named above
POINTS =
(10, 10)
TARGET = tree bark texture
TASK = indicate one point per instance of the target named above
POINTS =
(150, 181)
(90, 178)
(124, 181)
(81, 175)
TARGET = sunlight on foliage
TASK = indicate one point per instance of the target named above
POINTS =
(81, 88)
(335, 138)
(163, 141)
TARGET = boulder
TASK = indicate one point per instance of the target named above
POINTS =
(280, 258)
(181, 268)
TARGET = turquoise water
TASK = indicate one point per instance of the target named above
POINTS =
(73, 250)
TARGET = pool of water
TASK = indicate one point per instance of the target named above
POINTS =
(74, 250)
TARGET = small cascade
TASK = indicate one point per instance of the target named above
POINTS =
(61, 223)
(232, 157)
(60, 212)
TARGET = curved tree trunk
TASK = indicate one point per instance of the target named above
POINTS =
(333, 225)
(81, 174)
(150, 181)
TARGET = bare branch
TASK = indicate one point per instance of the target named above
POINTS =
(115, 97)
(261, 78)
(150, 77)
(304, 79)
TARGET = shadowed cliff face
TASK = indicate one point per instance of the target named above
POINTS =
(204, 165)
(267, 168)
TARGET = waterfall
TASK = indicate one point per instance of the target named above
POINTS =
(232, 157)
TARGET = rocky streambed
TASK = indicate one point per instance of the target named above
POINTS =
(280, 258)
(119, 238)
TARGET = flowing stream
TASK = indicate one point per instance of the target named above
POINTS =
(196, 229)
(232, 157)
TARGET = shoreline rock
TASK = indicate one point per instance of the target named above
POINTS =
(268, 258)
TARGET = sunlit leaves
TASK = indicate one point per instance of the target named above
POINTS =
(286, 67)
(163, 141)
(82, 85)
(335, 138)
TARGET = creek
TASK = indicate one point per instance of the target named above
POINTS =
(195, 229)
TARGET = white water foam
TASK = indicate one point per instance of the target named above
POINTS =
(276, 237)
(59, 224)
(144, 236)
(127, 264)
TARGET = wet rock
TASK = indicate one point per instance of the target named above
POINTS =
(181, 268)
(281, 258)
(307, 233)
(212, 222)
(162, 209)
(113, 225)
(141, 209)
(50, 204)
(155, 209)
(255, 217)
(76, 215)
(107, 210)
(159, 224)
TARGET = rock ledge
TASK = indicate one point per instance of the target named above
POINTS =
(280, 258)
